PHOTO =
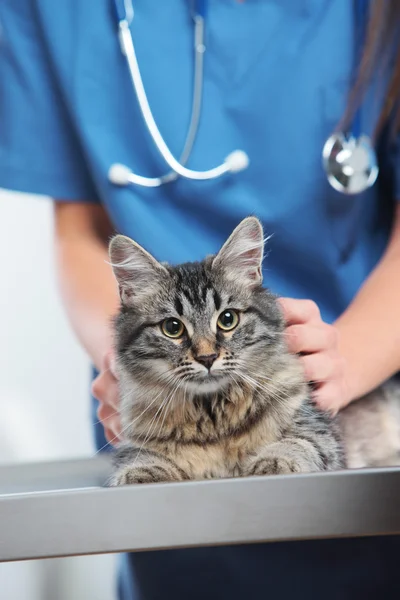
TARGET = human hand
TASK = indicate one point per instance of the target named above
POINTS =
(317, 343)
(105, 390)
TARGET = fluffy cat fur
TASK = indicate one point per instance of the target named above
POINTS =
(371, 428)
(212, 403)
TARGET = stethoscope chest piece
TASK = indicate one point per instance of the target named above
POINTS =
(350, 163)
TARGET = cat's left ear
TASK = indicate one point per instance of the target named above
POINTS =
(137, 272)
(241, 256)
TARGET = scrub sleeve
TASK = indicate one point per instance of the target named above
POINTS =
(39, 149)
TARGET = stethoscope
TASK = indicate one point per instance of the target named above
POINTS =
(349, 158)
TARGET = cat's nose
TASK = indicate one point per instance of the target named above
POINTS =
(207, 360)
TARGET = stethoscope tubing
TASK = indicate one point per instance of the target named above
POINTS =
(342, 168)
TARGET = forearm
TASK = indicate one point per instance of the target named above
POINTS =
(86, 282)
(370, 328)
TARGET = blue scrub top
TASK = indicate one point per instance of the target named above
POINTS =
(276, 78)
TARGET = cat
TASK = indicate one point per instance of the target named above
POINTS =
(208, 387)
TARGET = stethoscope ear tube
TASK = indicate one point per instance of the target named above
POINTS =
(123, 10)
(120, 174)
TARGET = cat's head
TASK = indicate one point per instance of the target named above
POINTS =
(199, 326)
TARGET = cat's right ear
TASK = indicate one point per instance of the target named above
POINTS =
(136, 271)
(240, 258)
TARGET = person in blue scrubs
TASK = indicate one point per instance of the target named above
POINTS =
(276, 82)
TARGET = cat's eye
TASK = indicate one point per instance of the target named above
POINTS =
(228, 320)
(173, 328)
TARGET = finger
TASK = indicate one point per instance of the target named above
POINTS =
(329, 398)
(105, 390)
(112, 435)
(311, 338)
(105, 412)
(299, 311)
(319, 367)
(97, 388)
(110, 421)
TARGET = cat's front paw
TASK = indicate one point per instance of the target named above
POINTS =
(275, 466)
(146, 473)
(133, 475)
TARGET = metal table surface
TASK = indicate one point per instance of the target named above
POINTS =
(62, 509)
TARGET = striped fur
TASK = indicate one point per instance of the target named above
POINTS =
(251, 413)
(371, 428)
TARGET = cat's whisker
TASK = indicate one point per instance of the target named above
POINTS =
(262, 377)
(279, 397)
(284, 394)
(153, 422)
(165, 405)
(166, 409)
(177, 372)
(276, 390)
(234, 379)
(274, 393)
(130, 423)
(270, 387)
(106, 418)
(112, 440)
(170, 397)
(184, 402)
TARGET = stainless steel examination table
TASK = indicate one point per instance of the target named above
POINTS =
(62, 508)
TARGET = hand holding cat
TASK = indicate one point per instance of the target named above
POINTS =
(105, 389)
(318, 344)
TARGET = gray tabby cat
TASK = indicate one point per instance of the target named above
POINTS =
(208, 388)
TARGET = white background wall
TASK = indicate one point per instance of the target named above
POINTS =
(44, 390)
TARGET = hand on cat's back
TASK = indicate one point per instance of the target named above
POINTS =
(317, 343)
(105, 390)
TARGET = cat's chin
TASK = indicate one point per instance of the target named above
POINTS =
(207, 385)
